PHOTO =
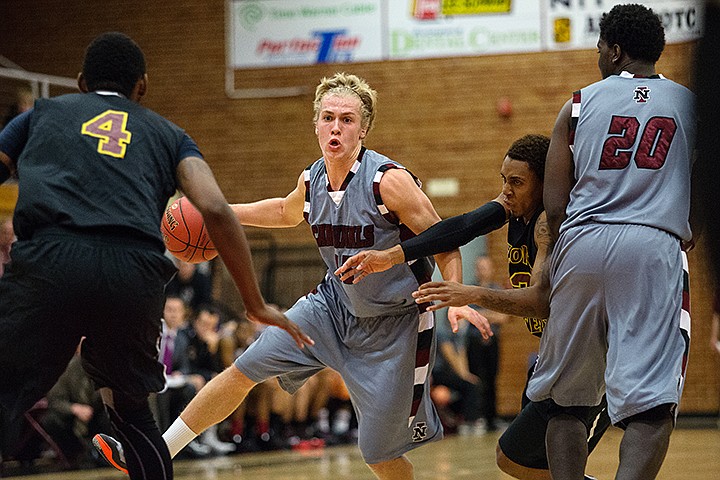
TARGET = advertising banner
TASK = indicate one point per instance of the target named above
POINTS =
(446, 28)
(279, 33)
(574, 24)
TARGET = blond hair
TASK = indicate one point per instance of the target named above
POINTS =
(346, 84)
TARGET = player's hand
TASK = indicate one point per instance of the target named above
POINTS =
(447, 294)
(472, 316)
(272, 316)
(363, 264)
(82, 412)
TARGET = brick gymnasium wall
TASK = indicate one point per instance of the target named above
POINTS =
(436, 116)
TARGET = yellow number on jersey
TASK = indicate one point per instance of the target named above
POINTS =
(109, 127)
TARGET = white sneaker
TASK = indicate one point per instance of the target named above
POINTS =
(209, 437)
(479, 427)
(341, 422)
(197, 449)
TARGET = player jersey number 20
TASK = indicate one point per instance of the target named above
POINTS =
(652, 149)
(110, 129)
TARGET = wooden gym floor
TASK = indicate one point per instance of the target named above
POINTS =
(694, 454)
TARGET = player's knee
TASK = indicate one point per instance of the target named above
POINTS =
(233, 376)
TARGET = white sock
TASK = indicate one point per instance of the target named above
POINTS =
(178, 436)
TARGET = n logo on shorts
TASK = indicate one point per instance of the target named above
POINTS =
(419, 432)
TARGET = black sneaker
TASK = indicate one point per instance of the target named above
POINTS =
(111, 451)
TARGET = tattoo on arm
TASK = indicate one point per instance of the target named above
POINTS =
(542, 232)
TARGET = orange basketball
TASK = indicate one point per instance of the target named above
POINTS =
(184, 233)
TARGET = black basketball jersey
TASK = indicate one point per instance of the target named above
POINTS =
(521, 258)
(96, 162)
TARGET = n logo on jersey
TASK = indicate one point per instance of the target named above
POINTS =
(419, 432)
(641, 94)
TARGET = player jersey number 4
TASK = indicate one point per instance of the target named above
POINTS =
(110, 128)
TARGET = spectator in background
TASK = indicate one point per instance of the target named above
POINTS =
(484, 354)
(452, 371)
(74, 413)
(343, 422)
(192, 283)
(198, 349)
(250, 423)
(24, 100)
(180, 387)
(7, 237)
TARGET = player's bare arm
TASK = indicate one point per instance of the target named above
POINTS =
(373, 261)
(559, 172)
(198, 183)
(408, 202)
(523, 302)
(528, 302)
(281, 212)
(543, 242)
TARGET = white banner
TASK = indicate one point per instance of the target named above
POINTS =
(447, 28)
(278, 33)
(575, 24)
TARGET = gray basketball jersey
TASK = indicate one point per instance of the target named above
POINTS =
(638, 172)
(353, 219)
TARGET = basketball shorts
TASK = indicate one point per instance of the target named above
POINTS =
(523, 442)
(616, 324)
(384, 362)
(60, 287)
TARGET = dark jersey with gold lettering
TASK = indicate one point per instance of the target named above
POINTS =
(102, 163)
(521, 258)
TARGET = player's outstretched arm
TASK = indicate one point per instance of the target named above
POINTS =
(524, 302)
(444, 236)
(198, 183)
(279, 212)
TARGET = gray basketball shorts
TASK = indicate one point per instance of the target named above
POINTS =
(384, 361)
(615, 321)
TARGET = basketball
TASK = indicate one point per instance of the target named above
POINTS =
(184, 233)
